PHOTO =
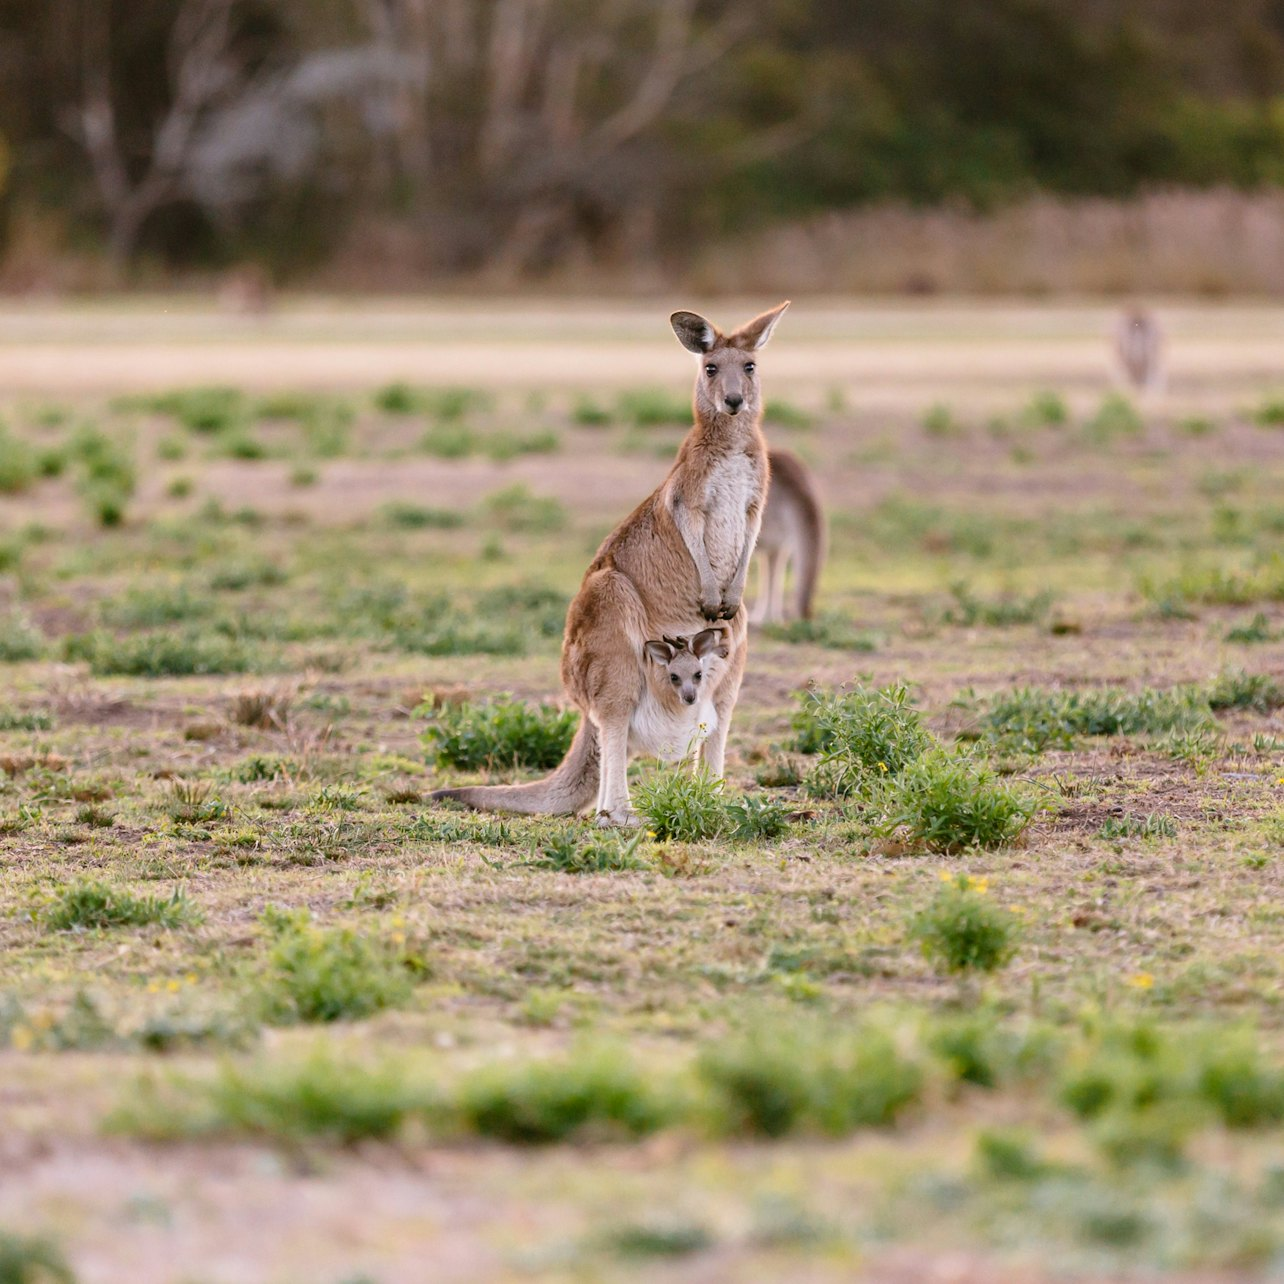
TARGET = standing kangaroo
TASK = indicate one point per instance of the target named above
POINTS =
(793, 532)
(1139, 345)
(677, 563)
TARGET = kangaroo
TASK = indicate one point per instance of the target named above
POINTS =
(676, 713)
(793, 531)
(1139, 344)
(676, 564)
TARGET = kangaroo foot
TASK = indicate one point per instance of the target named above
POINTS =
(620, 818)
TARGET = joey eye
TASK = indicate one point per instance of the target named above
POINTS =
(674, 679)
(711, 370)
(750, 367)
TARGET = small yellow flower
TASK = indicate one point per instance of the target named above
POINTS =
(1018, 910)
(978, 885)
(173, 986)
(882, 766)
(22, 1037)
(1141, 981)
(152, 987)
(1280, 781)
(398, 938)
(190, 978)
(944, 875)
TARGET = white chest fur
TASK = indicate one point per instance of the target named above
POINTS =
(670, 732)
(729, 490)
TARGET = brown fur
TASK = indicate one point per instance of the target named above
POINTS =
(676, 563)
(793, 531)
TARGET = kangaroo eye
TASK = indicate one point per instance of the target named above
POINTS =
(711, 371)
(674, 679)
(750, 367)
(695, 677)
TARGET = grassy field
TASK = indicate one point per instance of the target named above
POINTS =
(973, 972)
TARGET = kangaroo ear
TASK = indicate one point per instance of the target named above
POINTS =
(660, 652)
(711, 640)
(754, 334)
(694, 333)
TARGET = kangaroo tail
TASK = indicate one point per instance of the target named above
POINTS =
(570, 788)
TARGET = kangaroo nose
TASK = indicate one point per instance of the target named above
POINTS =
(734, 401)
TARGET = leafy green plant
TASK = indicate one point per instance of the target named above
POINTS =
(164, 653)
(682, 806)
(757, 818)
(20, 639)
(589, 1093)
(1116, 417)
(1046, 409)
(32, 1259)
(407, 516)
(962, 930)
(568, 854)
(863, 736)
(1269, 413)
(1235, 689)
(517, 509)
(653, 408)
(1154, 825)
(1258, 629)
(320, 975)
(1036, 718)
(776, 1081)
(19, 463)
(498, 734)
(969, 610)
(89, 905)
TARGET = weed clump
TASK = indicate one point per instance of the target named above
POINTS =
(19, 463)
(962, 931)
(568, 855)
(591, 1093)
(32, 1259)
(322, 975)
(20, 639)
(1034, 719)
(776, 1082)
(498, 735)
(861, 735)
(88, 905)
(154, 654)
(947, 801)
(1236, 689)
(683, 806)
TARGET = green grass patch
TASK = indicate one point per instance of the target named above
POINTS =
(498, 735)
(962, 930)
(89, 905)
(165, 653)
(315, 974)
(682, 806)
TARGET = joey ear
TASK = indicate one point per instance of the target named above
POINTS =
(660, 652)
(710, 640)
(754, 334)
(694, 333)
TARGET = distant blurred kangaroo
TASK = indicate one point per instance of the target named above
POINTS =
(792, 533)
(676, 564)
(1139, 345)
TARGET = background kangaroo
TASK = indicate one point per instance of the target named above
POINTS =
(677, 563)
(792, 534)
(1139, 345)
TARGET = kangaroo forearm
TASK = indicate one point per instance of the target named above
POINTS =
(691, 528)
